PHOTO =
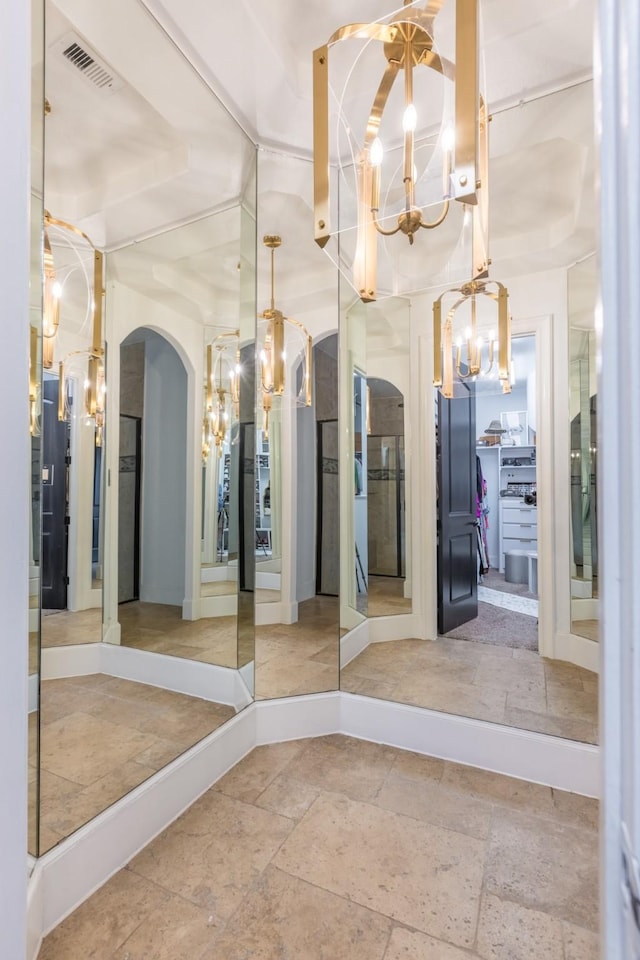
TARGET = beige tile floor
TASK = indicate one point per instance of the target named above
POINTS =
(339, 849)
(384, 598)
(159, 628)
(515, 687)
(302, 657)
(102, 736)
(63, 627)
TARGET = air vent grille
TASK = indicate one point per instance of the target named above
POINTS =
(85, 62)
(79, 55)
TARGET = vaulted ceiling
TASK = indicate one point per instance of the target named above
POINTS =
(154, 149)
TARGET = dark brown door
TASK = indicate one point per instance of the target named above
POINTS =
(55, 520)
(457, 524)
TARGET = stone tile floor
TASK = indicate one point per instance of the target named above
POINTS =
(101, 737)
(337, 848)
(517, 687)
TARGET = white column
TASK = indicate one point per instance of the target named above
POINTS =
(15, 77)
(618, 126)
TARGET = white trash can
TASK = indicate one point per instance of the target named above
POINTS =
(516, 566)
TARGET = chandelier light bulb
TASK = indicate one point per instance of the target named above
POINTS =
(376, 153)
(56, 290)
(409, 119)
(447, 139)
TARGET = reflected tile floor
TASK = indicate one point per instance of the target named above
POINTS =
(159, 628)
(385, 596)
(302, 657)
(338, 848)
(101, 737)
(516, 687)
(64, 627)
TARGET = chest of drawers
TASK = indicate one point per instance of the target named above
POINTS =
(518, 527)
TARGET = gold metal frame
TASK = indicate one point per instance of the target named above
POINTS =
(272, 364)
(443, 364)
(408, 43)
(94, 393)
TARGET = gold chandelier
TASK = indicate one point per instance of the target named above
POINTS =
(467, 297)
(94, 385)
(408, 45)
(273, 354)
(222, 387)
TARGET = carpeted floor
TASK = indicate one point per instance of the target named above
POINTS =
(504, 628)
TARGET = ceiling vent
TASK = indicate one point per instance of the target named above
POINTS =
(86, 62)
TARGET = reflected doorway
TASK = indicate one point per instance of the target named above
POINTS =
(499, 451)
(129, 474)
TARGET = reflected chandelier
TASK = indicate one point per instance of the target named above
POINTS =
(94, 381)
(222, 386)
(408, 44)
(273, 354)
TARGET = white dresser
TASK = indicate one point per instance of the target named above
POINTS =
(518, 527)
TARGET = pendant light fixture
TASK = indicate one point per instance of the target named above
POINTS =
(387, 199)
(274, 343)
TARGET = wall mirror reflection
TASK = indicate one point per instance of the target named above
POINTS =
(296, 496)
(149, 190)
(378, 580)
(486, 639)
(583, 401)
(35, 414)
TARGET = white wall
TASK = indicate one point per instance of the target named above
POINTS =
(164, 467)
(15, 76)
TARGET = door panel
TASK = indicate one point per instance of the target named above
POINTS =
(328, 520)
(55, 450)
(129, 509)
(457, 523)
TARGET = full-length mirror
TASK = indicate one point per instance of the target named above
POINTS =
(583, 402)
(476, 559)
(376, 362)
(296, 494)
(35, 411)
(149, 265)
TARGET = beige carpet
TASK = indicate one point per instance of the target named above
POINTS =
(504, 628)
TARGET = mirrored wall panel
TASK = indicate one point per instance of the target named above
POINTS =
(148, 227)
(35, 411)
(583, 416)
(296, 463)
(377, 576)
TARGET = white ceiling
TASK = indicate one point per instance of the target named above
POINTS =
(160, 150)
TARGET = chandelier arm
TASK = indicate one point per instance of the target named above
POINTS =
(54, 222)
(381, 231)
(386, 32)
(436, 223)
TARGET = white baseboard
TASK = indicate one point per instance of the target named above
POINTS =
(224, 606)
(74, 660)
(553, 761)
(277, 612)
(266, 580)
(33, 692)
(579, 650)
(587, 608)
(354, 642)
(402, 626)
(69, 873)
(204, 680)
(221, 571)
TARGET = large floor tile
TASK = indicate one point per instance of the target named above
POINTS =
(213, 853)
(284, 917)
(412, 945)
(417, 873)
(356, 768)
(176, 930)
(437, 804)
(249, 778)
(509, 931)
(544, 865)
(102, 924)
